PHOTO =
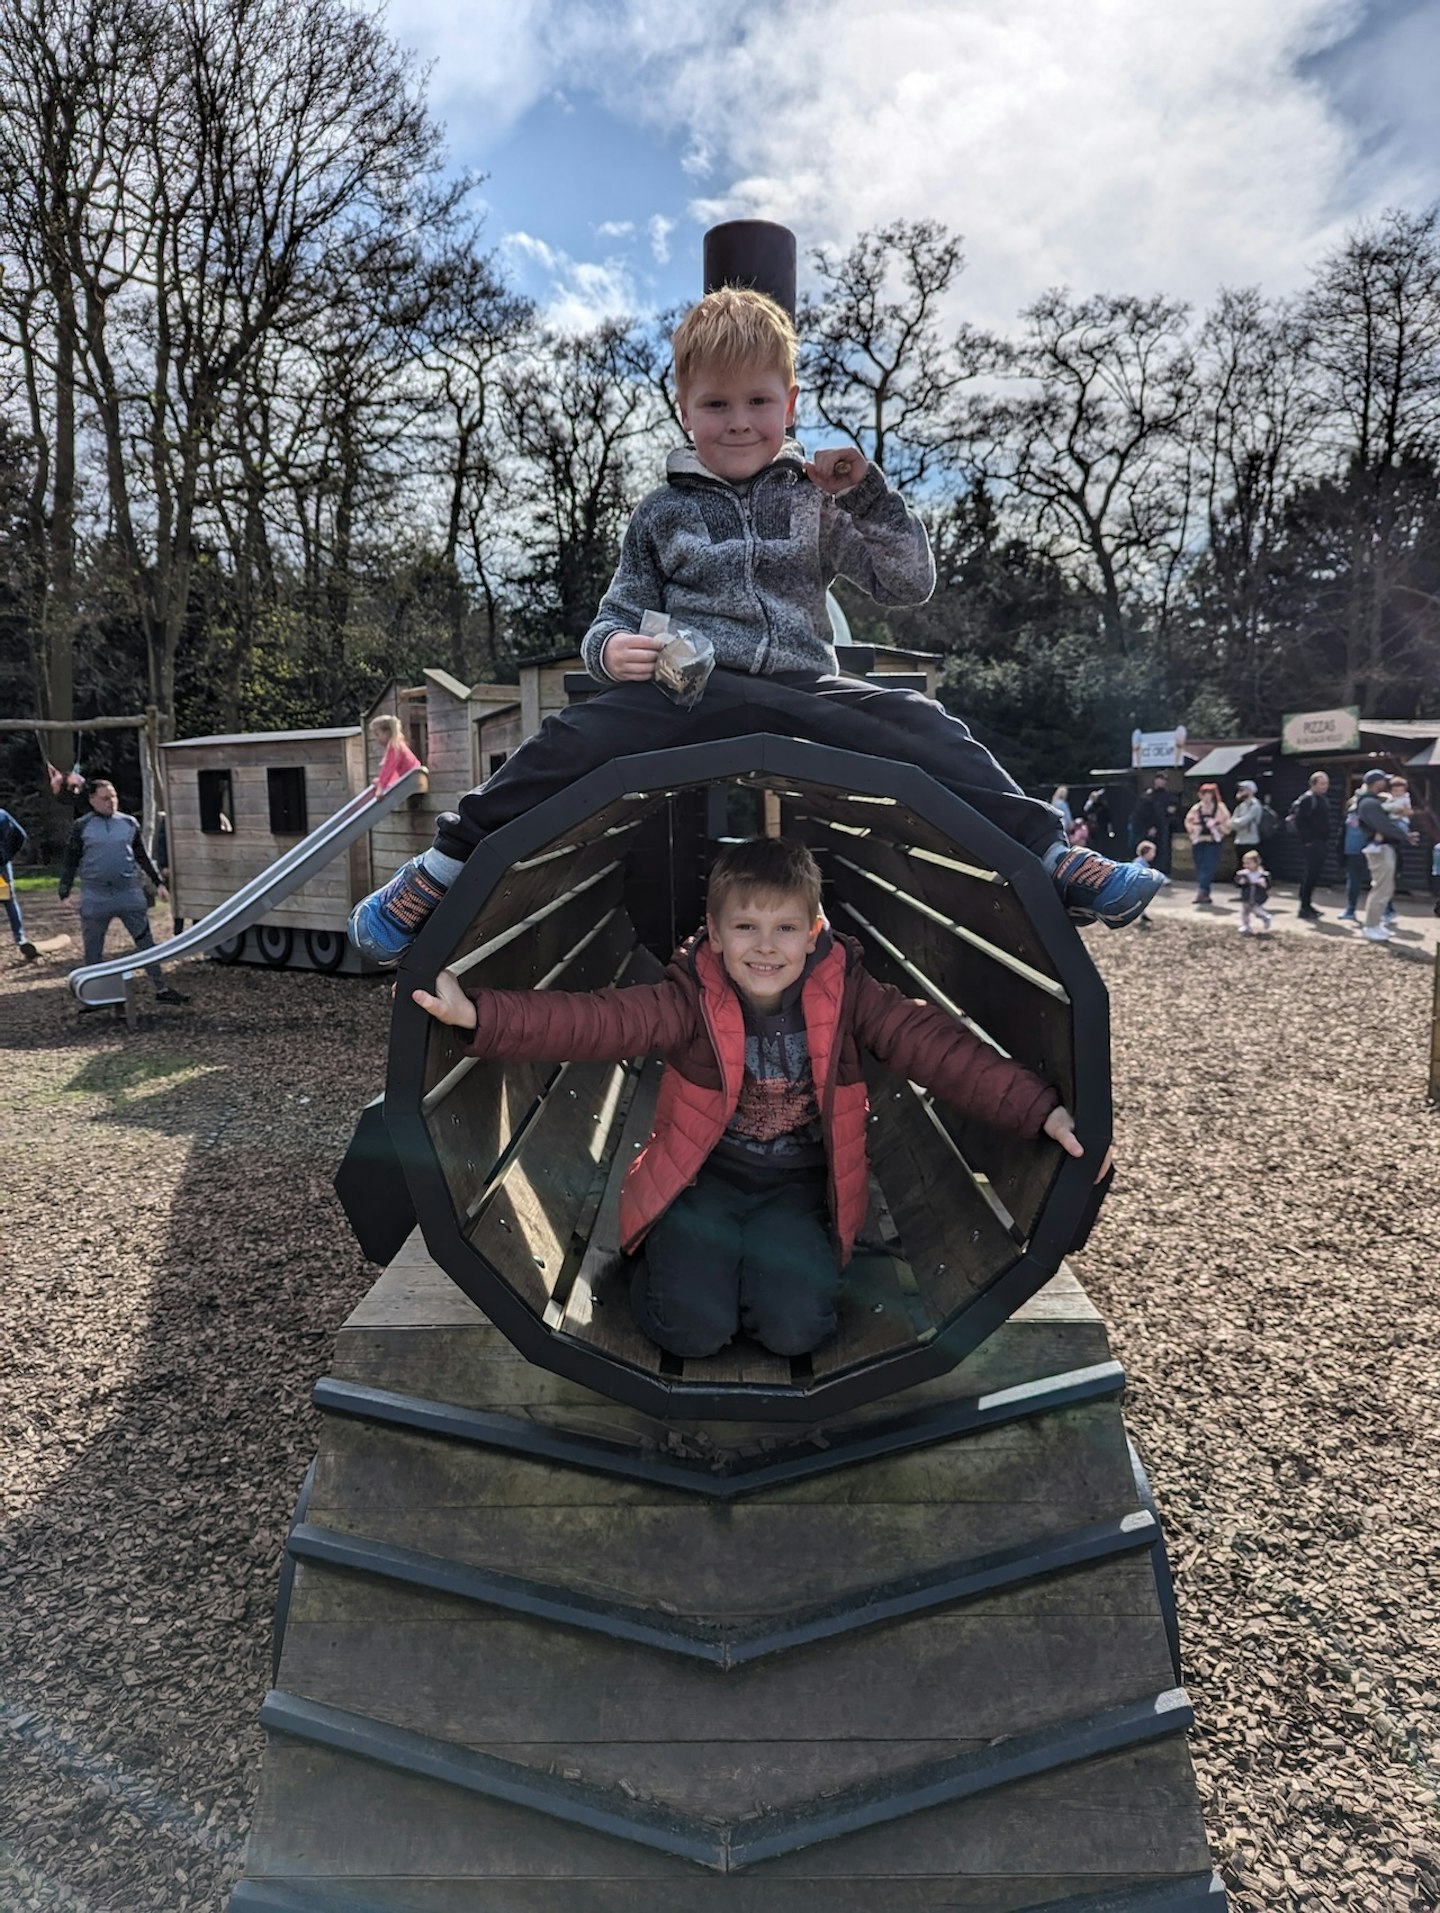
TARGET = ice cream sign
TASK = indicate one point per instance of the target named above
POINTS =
(1337, 730)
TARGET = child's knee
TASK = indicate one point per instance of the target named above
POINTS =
(791, 1325)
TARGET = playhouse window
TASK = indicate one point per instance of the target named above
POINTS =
(217, 805)
(497, 758)
(288, 816)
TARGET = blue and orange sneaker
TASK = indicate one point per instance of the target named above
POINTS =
(383, 925)
(1093, 886)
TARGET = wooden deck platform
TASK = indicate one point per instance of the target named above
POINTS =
(547, 1655)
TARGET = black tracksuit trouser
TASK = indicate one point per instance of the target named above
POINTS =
(842, 712)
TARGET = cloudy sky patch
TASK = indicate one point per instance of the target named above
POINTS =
(1130, 145)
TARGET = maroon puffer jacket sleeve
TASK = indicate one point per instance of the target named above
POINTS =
(580, 1026)
(920, 1042)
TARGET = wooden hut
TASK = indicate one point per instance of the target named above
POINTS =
(572, 1626)
(236, 804)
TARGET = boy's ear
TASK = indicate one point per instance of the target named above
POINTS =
(790, 406)
(816, 927)
(714, 933)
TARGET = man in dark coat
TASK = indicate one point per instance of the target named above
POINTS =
(1154, 817)
(1311, 815)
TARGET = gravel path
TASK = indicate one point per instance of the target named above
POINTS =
(175, 1266)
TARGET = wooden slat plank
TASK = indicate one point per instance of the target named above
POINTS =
(321, 1814)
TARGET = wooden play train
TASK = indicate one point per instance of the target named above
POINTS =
(570, 1625)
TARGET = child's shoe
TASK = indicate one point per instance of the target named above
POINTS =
(383, 925)
(1092, 886)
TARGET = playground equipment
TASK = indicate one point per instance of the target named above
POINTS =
(101, 983)
(574, 1624)
(568, 1625)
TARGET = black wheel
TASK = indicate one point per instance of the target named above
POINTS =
(276, 943)
(229, 950)
(325, 949)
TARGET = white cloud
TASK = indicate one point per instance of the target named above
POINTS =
(660, 229)
(1105, 143)
(574, 295)
(615, 229)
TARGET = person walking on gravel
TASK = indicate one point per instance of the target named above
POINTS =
(12, 842)
(1310, 815)
(1386, 837)
(107, 856)
(1154, 817)
(1207, 824)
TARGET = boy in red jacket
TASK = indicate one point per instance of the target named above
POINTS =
(754, 1183)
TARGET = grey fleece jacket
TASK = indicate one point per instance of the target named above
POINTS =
(748, 566)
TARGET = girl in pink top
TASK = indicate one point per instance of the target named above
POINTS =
(398, 758)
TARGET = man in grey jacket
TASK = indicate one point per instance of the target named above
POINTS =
(107, 855)
(1382, 853)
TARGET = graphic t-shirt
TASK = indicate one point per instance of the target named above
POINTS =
(775, 1125)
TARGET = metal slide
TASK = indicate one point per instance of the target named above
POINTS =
(105, 982)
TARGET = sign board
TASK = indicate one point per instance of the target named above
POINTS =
(1157, 750)
(1337, 730)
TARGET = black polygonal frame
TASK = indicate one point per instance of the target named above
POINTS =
(797, 761)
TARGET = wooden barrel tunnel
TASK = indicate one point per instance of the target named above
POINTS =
(514, 1170)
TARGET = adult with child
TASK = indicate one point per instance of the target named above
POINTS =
(13, 838)
(738, 547)
(107, 856)
(1207, 824)
(1310, 815)
(1386, 835)
(747, 1198)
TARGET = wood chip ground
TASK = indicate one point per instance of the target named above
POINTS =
(175, 1266)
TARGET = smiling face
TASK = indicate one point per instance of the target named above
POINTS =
(737, 419)
(763, 941)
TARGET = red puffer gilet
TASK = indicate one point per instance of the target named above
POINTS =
(695, 1019)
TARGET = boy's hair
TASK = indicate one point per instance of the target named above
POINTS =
(1145, 844)
(765, 866)
(730, 329)
(1248, 854)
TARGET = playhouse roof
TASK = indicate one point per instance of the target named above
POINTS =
(264, 737)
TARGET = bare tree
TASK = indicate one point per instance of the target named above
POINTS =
(575, 417)
(1256, 428)
(76, 79)
(877, 361)
(1374, 320)
(479, 322)
(1092, 448)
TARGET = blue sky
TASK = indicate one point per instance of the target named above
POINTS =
(1135, 145)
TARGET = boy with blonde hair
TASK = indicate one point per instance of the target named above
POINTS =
(753, 1185)
(740, 545)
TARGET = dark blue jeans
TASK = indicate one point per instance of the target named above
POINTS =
(851, 716)
(728, 1255)
(12, 903)
(1207, 856)
(1357, 881)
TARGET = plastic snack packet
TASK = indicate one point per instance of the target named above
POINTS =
(682, 670)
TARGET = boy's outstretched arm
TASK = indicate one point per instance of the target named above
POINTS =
(921, 1042)
(562, 1026)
